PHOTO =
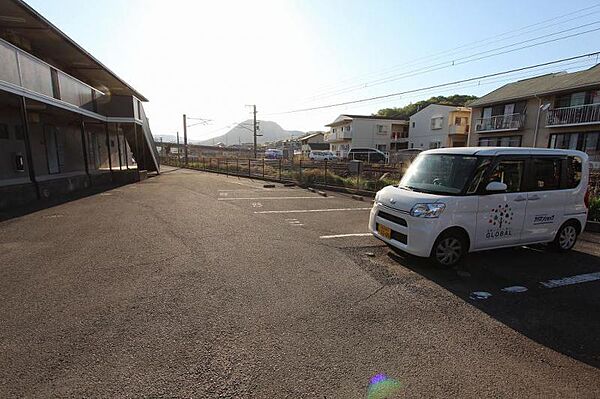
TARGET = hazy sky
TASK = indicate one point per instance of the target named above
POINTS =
(210, 58)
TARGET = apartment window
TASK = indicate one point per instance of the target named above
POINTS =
(348, 128)
(333, 130)
(508, 141)
(586, 142)
(413, 124)
(4, 132)
(379, 128)
(460, 120)
(436, 122)
(435, 144)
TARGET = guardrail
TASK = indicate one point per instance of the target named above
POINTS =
(349, 175)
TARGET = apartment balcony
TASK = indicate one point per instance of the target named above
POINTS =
(398, 137)
(458, 129)
(24, 74)
(500, 123)
(337, 136)
(574, 116)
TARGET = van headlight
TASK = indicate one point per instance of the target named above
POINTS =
(428, 210)
(377, 196)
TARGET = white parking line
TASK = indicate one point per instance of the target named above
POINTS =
(347, 235)
(316, 210)
(580, 278)
(271, 198)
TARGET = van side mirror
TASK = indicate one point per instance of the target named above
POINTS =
(496, 186)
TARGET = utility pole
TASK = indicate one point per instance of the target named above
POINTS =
(254, 128)
(185, 147)
(178, 151)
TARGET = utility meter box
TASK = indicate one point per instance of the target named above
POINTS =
(19, 162)
(355, 166)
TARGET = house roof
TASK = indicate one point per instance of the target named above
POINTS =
(347, 117)
(310, 136)
(542, 85)
(27, 29)
(440, 107)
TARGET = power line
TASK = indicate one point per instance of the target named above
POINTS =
(474, 44)
(439, 85)
(466, 59)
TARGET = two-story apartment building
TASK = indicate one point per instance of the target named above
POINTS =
(437, 126)
(66, 121)
(557, 110)
(366, 131)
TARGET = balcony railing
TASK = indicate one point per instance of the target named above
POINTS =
(337, 136)
(23, 70)
(399, 136)
(500, 122)
(571, 116)
(458, 129)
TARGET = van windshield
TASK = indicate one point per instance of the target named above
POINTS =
(439, 173)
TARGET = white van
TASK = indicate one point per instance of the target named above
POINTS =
(452, 201)
(321, 156)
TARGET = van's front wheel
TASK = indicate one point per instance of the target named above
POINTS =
(566, 237)
(449, 249)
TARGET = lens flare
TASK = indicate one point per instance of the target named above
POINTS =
(382, 387)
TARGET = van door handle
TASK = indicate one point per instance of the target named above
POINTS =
(534, 198)
(520, 198)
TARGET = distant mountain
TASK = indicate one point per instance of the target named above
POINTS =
(269, 130)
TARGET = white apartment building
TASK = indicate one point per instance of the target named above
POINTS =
(366, 131)
(437, 126)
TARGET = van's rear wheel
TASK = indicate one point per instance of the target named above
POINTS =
(449, 249)
(566, 237)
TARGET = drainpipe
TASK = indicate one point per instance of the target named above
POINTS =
(537, 121)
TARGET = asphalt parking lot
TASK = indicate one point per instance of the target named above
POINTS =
(193, 284)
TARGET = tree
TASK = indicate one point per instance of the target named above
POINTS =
(411, 109)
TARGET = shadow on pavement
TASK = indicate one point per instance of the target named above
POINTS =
(49, 203)
(565, 319)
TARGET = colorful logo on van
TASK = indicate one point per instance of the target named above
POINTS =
(500, 219)
(501, 216)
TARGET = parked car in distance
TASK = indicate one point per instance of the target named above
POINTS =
(370, 155)
(322, 156)
(452, 201)
(273, 153)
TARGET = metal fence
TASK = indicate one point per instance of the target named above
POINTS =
(351, 175)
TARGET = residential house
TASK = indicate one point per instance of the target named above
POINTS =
(556, 110)
(66, 121)
(366, 131)
(314, 141)
(437, 126)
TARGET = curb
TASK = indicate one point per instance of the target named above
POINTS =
(357, 197)
(322, 193)
(268, 186)
(592, 227)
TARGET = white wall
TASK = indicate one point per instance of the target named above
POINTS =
(421, 135)
(365, 133)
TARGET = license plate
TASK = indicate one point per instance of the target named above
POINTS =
(384, 231)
